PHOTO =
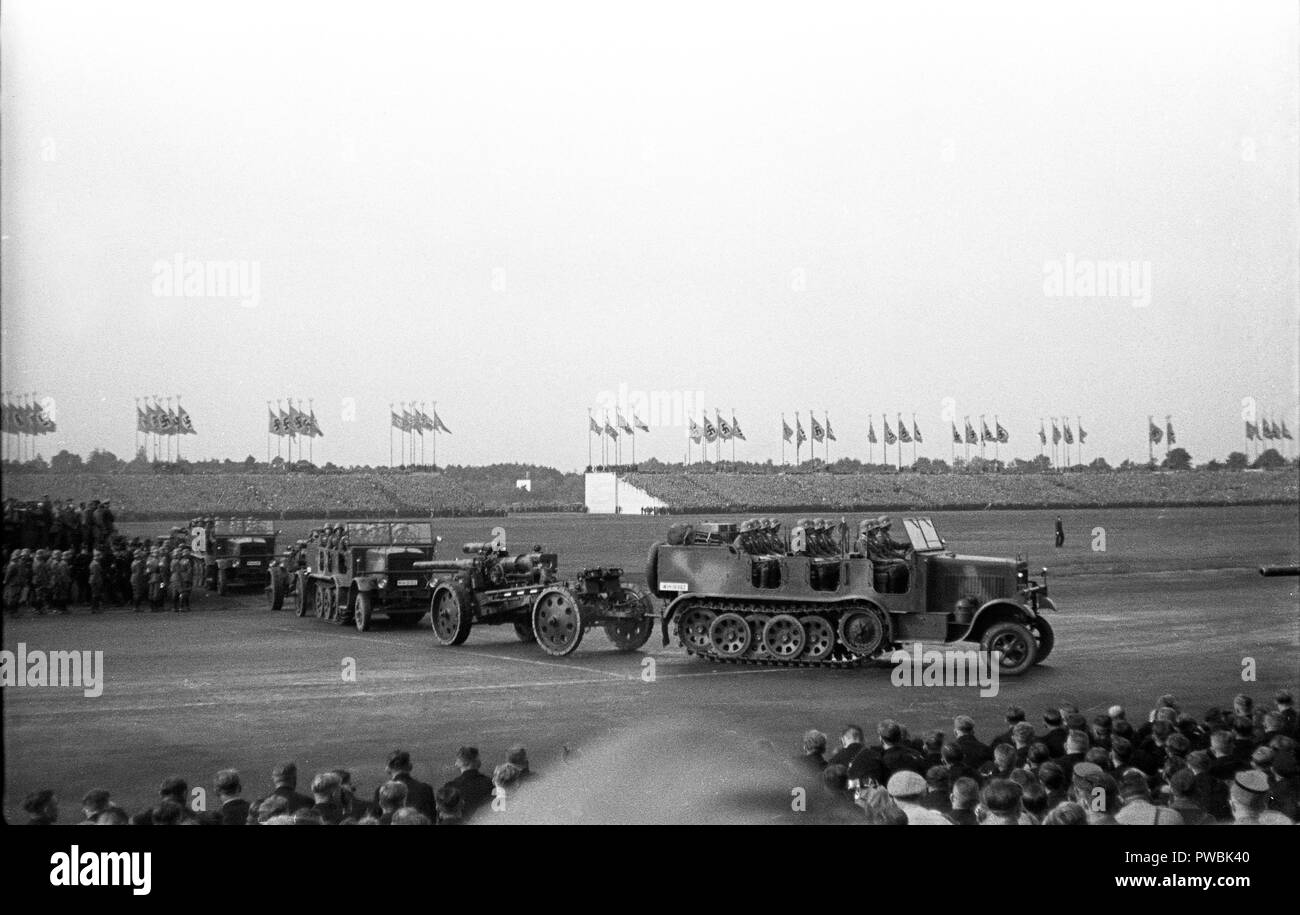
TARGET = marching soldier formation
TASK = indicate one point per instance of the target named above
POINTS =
(59, 556)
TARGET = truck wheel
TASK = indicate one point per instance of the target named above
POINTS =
(363, 611)
(1045, 637)
(450, 618)
(276, 592)
(557, 622)
(221, 582)
(525, 632)
(1015, 642)
(629, 635)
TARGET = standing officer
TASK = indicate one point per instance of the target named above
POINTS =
(157, 580)
(181, 582)
(1060, 533)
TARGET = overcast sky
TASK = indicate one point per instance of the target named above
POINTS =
(516, 209)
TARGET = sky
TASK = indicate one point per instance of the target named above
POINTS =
(520, 211)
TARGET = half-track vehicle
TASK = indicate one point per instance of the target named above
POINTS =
(750, 594)
(349, 573)
(232, 552)
(492, 587)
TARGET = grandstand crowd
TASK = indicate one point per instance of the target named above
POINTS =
(1232, 765)
(1229, 766)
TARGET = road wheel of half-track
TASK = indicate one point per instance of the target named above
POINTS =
(863, 631)
(693, 628)
(783, 637)
(819, 637)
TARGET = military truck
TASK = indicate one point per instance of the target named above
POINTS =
(352, 572)
(492, 587)
(232, 552)
(811, 599)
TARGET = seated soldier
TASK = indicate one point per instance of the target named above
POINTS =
(888, 556)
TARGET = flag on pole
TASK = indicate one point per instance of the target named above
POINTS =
(696, 434)
(1042, 433)
(786, 432)
(799, 436)
(903, 435)
(1056, 432)
(1067, 432)
(818, 433)
(315, 430)
(141, 421)
(44, 424)
(438, 424)
(985, 434)
(916, 431)
(1003, 435)
(1252, 431)
(397, 421)
(1083, 436)
(724, 430)
(735, 429)
(185, 423)
(1154, 433)
(871, 431)
(1169, 432)
(971, 437)
(610, 430)
(956, 436)
(621, 421)
(710, 433)
(1286, 433)
(890, 437)
(830, 435)
(273, 424)
(591, 422)
(640, 423)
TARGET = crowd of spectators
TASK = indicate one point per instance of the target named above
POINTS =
(1230, 765)
(739, 492)
(331, 799)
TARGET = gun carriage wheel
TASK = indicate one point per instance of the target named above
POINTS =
(557, 622)
(450, 617)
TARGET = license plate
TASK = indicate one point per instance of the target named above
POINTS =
(407, 583)
(254, 562)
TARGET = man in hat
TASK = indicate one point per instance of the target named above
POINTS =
(181, 581)
(1248, 797)
(285, 778)
(907, 788)
(1182, 799)
(1097, 793)
(475, 788)
(888, 556)
(157, 581)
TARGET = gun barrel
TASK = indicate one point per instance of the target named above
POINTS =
(444, 565)
(1274, 571)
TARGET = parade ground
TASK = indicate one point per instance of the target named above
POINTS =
(1150, 601)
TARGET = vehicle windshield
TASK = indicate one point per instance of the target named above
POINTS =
(922, 534)
(237, 526)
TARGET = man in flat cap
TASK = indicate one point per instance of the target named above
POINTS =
(907, 788)
(1248, 797)
(1137, 809)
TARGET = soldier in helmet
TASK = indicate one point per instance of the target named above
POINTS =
(139, 580)
(889, 556)
(96, 581)
(61, 582)
(181, 581)
(41, 581)
(157, 579)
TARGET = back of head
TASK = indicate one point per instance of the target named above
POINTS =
(1002, 797)
(468, 758)
(392, 795)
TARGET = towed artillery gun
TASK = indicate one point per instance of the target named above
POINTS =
(747, 594)
(352, 572)
(232, 552)
(492, 587)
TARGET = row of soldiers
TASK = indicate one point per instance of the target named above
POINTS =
(139, 572)
(59, 526)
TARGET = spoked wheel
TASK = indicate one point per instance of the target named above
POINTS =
(783, 637)
(1045, 638)
(276, 592)
(863, 632)
(693, 628)
(449, 617)
(1015, 643)
(628, 634)
(364, 611)
(729, 635)
(525, 632)
(756, 623)
(820, 637)
(557, 622)
(319, 602)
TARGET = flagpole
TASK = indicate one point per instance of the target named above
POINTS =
(1151, 451)
(827, 443)
(589, 423)
(390, 435)
(996, 441)
(1167, 428)
(1078, 430)
(913, 440)
(268, 434)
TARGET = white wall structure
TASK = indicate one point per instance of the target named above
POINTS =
(606, 494)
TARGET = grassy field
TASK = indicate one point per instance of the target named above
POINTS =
(1173, 604)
